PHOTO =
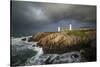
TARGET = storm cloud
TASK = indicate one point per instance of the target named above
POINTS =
(36, 16)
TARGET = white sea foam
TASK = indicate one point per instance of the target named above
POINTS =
(69, 57)
(19, 46)
(25, 44)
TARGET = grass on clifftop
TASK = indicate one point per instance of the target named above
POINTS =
(81, 33)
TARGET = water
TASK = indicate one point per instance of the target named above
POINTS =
(28, 53)
(21, 51)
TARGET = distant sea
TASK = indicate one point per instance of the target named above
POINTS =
(18, 32)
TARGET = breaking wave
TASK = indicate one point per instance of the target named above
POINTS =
(28, 53)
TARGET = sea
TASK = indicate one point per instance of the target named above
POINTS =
(24, 53)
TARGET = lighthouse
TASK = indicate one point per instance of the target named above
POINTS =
(70, 27)
(58, 29)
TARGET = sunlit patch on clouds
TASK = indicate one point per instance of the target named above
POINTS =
(36, 14)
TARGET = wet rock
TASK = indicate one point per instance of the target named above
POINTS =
(30, 39)
(24, 39)
(90, 54)
(56, 58)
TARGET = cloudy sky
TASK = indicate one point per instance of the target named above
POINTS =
(28, 17)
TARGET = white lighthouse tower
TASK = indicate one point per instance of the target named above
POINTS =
(58, 29)
(70, 27)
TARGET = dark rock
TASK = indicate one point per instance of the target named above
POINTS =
(30, 39)
(90, 54)
(47, 61)
(24, 39)
(33, 45)
(74, 56)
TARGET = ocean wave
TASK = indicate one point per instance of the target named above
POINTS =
(28, 53)
(21, 50)
(69, 57)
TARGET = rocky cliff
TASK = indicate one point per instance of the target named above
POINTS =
(61, 42)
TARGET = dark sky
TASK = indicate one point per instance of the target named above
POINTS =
(28, 17)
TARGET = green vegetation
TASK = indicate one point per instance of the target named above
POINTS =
(82, 32)
(76, 33)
